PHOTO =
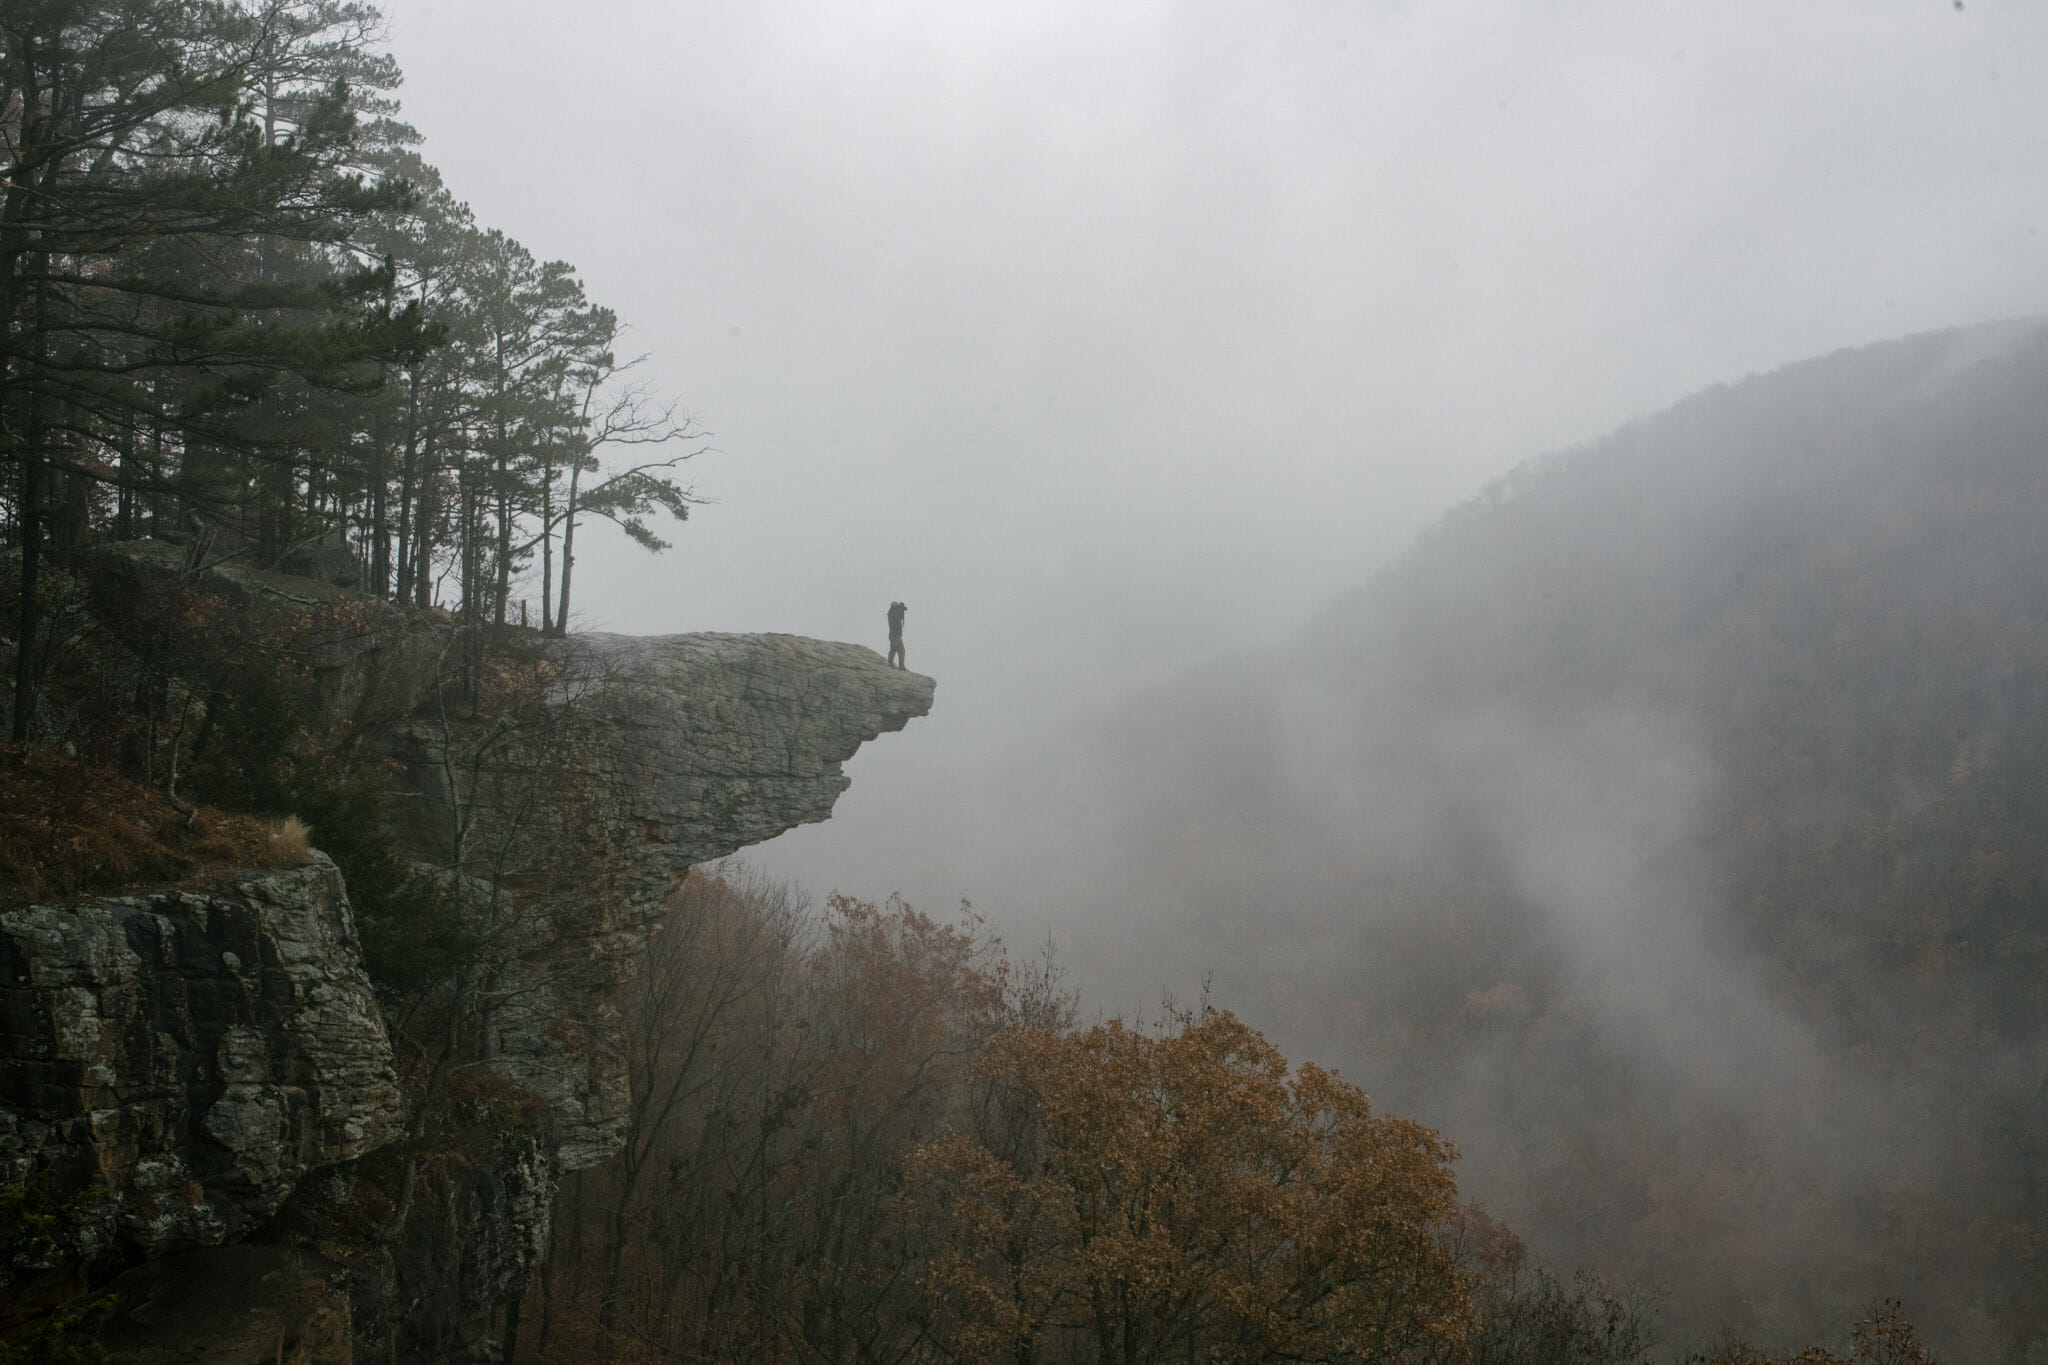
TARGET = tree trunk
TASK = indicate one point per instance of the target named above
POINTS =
(423, 530)
(156, 462)
(502, 586)
(547, 1307)
(380, 533)
(547, 547)
(28, 622)
(34, 473)
(124, 493)
(19, 267)
(568, 551)
(408, 473)
(614, 1275)
(510, 1344)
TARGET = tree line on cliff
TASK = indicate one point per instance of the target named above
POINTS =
(239, 312)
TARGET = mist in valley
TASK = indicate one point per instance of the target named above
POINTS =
(1255, 407)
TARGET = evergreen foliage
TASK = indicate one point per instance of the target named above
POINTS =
(239, 313)
(254, 753)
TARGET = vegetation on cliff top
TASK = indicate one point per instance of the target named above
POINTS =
(239, 313)
(70, 830)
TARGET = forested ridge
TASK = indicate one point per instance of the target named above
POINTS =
(1667, 825)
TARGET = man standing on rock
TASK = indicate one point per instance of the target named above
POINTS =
(896, 610)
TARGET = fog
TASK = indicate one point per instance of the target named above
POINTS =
(1109, 337)
(1125, 342)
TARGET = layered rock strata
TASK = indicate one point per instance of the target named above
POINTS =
(175, 1064)
(186, 1056)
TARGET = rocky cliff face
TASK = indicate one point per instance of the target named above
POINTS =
(675, 749)
(196, 1060)
(575, 818)
(187, 1057)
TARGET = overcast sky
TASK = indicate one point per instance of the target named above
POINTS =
(1110, 335)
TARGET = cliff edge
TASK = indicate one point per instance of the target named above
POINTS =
(572, 806)
(183, 1068)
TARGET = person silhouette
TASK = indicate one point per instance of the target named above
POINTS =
(896, 610)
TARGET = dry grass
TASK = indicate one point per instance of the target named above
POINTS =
(289, 842)
(69, 830)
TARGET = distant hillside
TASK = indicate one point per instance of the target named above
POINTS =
(1670, 827)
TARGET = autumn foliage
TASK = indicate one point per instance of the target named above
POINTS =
(866, 1135)
(863, 1135)
(1135, 1196)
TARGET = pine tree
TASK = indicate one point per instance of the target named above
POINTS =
(153, 185)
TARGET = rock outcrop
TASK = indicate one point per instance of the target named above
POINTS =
(176, 1064)
(650, 755)
(674, 749)
(721, 741)
(185, 1056)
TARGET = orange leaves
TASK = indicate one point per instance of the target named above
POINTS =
(872, 1141)
(1146, 1195)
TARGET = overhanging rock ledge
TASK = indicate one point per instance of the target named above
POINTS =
(722, 741)
(665, 752)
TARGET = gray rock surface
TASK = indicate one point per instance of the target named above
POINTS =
(573, 820)
(723, 741)
(189, 1054)
(691, 747)
(194, 1055)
